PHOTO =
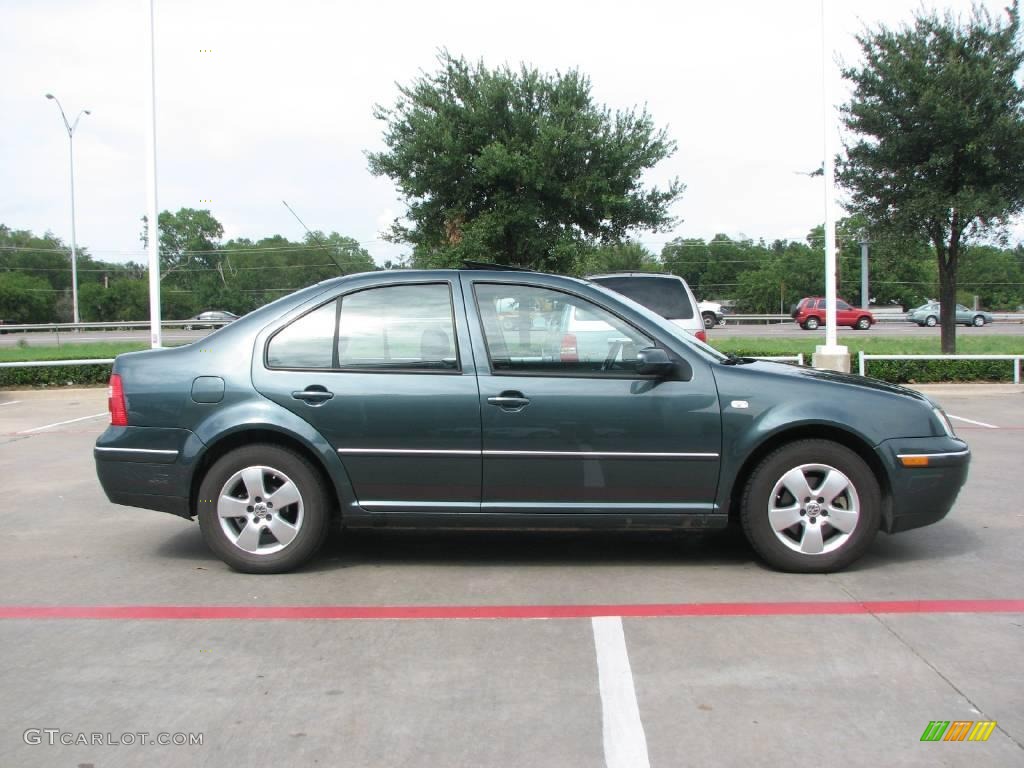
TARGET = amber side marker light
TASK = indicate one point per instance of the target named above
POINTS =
(914, 461)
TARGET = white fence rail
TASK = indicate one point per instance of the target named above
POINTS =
(880, 316)
(1015, 358)
(798, 359)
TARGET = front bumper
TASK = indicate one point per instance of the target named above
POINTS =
(148, 467)
(922, 495)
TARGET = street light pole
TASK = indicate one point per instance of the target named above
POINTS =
(71, 155)
(865, 298)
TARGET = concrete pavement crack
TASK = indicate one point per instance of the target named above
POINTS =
(906, 644)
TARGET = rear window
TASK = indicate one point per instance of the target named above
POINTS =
(666, 297)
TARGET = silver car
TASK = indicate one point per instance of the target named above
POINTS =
(928, 315)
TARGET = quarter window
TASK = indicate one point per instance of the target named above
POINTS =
(306, 343)
(537, 330)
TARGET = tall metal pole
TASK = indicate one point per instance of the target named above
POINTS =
(829, 355)
(74, 244)
(865, 298)
(831, 340)
(153, 216)
(71, 157)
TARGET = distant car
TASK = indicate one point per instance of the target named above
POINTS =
(810, 314)
(928, 315)
(666, 295)
(211, 319)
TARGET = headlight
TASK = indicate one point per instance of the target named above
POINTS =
(944, 421)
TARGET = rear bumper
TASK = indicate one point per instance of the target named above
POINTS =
(148, 467)
(924, 495)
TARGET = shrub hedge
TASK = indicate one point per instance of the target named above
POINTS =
(55, 376)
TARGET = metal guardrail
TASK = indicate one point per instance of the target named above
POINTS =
(52, 363)
(1015, 358)
(131, 324)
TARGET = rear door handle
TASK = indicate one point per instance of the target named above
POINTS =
(510, 401)
(313, 395)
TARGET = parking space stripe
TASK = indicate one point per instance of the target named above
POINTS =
(60, 423)
(649, 610)
(625, 745)
(972, 421)
(9, 402)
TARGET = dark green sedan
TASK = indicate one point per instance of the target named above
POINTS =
(510, 399)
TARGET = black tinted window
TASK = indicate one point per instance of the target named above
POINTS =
(667, 297)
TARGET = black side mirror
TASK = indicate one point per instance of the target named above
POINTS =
(652, 361)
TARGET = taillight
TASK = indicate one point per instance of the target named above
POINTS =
(569, 351)
(701, 335)
(115, 402)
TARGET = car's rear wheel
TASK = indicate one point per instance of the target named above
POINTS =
(811, 324)
(863, 323)
(931, 321)
(978, 321)
(811, 506)
(709, 319)
(263, 509)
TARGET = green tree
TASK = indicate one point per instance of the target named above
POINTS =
(688, 258)
(25, 298)
(517, 167)
(939, 117)
(623, 257)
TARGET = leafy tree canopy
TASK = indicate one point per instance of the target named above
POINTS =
(517, 167)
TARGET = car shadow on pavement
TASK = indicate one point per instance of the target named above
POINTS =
(727, 547)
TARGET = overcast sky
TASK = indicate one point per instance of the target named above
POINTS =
(281, 106)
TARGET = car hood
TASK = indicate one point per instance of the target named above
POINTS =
(805, 373)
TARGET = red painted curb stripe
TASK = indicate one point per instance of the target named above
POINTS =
(319, 612)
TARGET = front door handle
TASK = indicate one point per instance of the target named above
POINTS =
(510, 401)
(313, 395)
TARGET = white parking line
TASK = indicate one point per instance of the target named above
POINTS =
(60, 423)
(9, 402)
(625, 745)
(972, 421)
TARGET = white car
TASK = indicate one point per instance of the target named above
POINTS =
(667, 295)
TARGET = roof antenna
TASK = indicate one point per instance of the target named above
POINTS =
(315, 238)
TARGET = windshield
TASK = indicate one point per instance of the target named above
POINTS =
(664, 325)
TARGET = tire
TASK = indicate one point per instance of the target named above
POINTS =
(811, 324)
(978, 321)
(260, 539)
(863, 323)
(815, 542)
(709, 319)
(931, 321)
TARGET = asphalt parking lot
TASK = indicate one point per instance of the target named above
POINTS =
(426, 659)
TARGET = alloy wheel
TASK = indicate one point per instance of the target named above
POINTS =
(813, 509)
(260, 510)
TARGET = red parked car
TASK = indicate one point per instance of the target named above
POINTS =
(810, 314)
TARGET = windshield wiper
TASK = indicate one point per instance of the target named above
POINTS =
(731, 359)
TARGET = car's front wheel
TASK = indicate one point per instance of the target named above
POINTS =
(263, 509)
(812, 506)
